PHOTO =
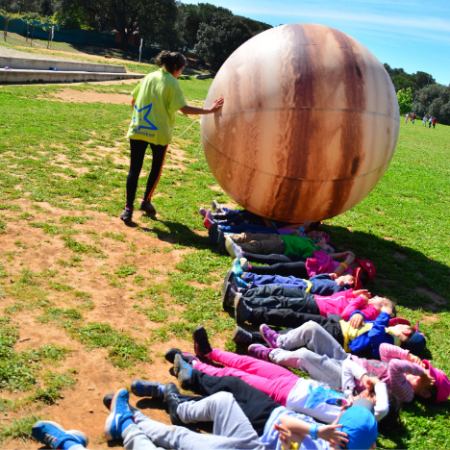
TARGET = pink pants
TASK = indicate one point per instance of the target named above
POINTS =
(275, 381)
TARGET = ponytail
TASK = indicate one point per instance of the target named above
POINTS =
(171, 61)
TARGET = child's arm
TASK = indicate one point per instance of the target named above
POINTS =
(218, 103)
(358, 303)
(292, 429)
(382, 401)
(389, 351)
(400, 386)
(350, 371)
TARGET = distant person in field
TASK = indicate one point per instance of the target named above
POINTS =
(156, 99)
(430, 120)
(406, 117)
(434, 122)
(413, 118)
(424, 120)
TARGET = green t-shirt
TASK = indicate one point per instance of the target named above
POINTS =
(158, 97)
(298, 245)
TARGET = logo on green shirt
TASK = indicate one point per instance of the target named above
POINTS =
(142, 127)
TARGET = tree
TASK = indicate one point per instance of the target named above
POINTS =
(434, 100)
(124, 16)
(217, 41)
(405, 100)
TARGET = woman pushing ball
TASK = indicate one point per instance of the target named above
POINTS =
(155, 101)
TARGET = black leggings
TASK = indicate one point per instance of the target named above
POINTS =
(284, 269)
(256, 405)
(138, 149)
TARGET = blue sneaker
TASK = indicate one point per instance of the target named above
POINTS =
(236, 268)
(120, 412)
(241, 336)
(52, 434)
(183, 371)
(241, 310)
(141, 388)
(241, 283)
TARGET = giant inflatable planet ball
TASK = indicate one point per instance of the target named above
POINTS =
(309, 124)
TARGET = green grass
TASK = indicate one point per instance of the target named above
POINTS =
(402, 226)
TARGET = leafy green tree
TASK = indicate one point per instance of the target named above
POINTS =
(124, 16)
(434, 100)
(218, 40)
(405, 100)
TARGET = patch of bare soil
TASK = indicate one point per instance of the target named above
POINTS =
(437, 299)
(399, 255)
(73, 96)
(113, 298)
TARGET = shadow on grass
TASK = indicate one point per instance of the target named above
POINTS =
(402, 273)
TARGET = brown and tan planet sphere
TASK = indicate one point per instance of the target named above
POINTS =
(309, 124)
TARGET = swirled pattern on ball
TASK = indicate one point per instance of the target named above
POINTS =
(309, 124)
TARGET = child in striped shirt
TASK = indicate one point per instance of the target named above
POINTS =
(325, 360)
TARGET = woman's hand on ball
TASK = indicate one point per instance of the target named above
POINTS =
(218, 103)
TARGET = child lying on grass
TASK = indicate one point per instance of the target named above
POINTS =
(323, 284)
(298, 394)
(364, 340)
(325, 360)
(341, 304)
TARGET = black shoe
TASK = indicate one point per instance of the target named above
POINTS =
(172, 402)
(147, 207)
(170, 355)
(108, 398)
(127, 215)
(229, 278)
(221, 243)
(201, 343)
(213, 234)
(229, 295)
(183, 371)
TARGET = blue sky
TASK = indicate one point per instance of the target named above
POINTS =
(411, 34)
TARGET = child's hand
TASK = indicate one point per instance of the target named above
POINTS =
(414, 359)
(369, 382)
(333, 276)
(357, 320)
(322, 242)
(363, 292)
(331, 434)
(218, 103)
(306, 224)
(350, 258)
(427, 378)
(286, 436)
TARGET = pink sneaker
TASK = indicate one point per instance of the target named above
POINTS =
(258, 351)
(202, 212)
(269, 335)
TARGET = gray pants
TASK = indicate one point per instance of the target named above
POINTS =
(260, 244)
(133, 438)
(322, 358)
(232, 429)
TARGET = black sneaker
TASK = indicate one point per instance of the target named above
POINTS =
(213, 234)
(183, 371)
(229, 295)
(127, 215)
(229, 278)
(147, 207)
(221, 243)
(201, 343)
(172, 402)
(188, 357)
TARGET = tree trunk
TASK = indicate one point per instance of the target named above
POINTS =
(32, 34)
(28, 26)
(6, 29)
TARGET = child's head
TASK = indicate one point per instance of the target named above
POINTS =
(173, 62)
(345, 279)
(316, 235)
(380, 302)
(427, 392)
(415, 342)
(359, 424)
